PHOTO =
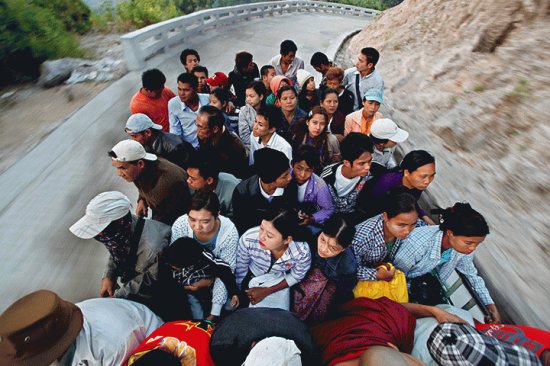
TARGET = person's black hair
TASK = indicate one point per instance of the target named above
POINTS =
(215, 116)
(222, 94)
(205, 199)
(318, 59)
(187, 78)
(186, 52)
(306, 153)
(462, 220)
(199, 68)
(325, 92)
(338, 228)
(415, 159)
(288, 46)
(286, 222)
(271, 114)
(376, 140)
(284, 89)
(242, 59)
(265, 69)
(157, 357)
(372, 55)
(153, 79)
(206, 163)
(258, 87)
(354, 145)
(398, 201)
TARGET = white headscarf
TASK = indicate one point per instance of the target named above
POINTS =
(274, 351)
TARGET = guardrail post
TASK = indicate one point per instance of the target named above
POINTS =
(132, 53)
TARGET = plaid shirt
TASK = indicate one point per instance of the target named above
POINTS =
(420, 253)
(294, 263)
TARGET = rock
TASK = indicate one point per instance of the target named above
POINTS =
(55, 72)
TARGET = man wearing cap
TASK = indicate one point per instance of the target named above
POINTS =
(162, 185)
(41, 329)
(166, 145)
(152, 99)
(385, 135)
(265, 190)
(183, 109)
(108, 220)
(215, 138)
(244, 72)
(364, 76)
(361, 120)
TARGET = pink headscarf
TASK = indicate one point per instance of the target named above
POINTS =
(275, 83)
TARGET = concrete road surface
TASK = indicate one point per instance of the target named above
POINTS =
(47, 191)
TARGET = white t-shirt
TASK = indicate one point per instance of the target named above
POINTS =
(342, 184)
(302, 191)
(276, 142)
(278, 192)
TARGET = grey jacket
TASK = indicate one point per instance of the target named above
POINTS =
(154, 238)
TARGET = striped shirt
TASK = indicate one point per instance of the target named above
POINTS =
(294, 263)
(420, 253)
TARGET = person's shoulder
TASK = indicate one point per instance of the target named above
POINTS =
(228, 179)
(226, 223)
(349, 72)
(329, 170)
(251, 236)
(204, 98)
(181, 222)
(247, 185)
(275, 60)
(175, 102)
(167, 93)
(369, 223)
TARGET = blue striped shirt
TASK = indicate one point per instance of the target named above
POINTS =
(294, 263)
(420, 253)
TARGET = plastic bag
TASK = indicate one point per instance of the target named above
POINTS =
(396, 289)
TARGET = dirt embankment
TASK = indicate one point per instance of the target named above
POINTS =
(471, 81)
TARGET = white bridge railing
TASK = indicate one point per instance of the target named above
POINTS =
(144, 43)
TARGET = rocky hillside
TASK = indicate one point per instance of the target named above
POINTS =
(471, 81)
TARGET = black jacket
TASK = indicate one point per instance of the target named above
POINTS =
(172, 147)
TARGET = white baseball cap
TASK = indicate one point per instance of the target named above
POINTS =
(102, 209)
(130, 150)
(385, 128)
(140, 122)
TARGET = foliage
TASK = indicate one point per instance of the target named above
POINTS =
(73, 13)
(371, 4)
(29, 35)
(140, 13)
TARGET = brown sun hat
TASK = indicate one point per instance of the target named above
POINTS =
(37, 329)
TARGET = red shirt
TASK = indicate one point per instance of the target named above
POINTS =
(535, 340)
(187, 340)
(156, 109)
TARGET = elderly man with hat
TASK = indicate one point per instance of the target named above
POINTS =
(135, 246)
(41, 329)
(267, 189)
(162, 185)
(173, 148)
(385, 135)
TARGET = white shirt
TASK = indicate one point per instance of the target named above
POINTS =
(276, 142)
(384, 157)
(292, 70)
(342, 184)
(278, 192)
(112, 329)
(182, 118)
(302, 191)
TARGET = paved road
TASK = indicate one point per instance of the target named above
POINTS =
(47, 191)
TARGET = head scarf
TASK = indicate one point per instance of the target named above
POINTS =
(116, 238)
(275, 83)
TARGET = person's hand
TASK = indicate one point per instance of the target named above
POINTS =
(443, 316)
(306, 219)
(495, 315)
(384, 273)
(234, 301)
(257, 294)
(141, 209)
(230, 108)
(107, 288)
(212, 318)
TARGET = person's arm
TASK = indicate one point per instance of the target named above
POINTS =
(142, 280)
(324, 200)
(257, 294)
(348, 125)
(243, 261)
(302, 265)
(424, 311)
(108, 281)
(175, 125)
(244, 126)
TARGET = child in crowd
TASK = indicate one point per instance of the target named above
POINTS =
(264, 133)
(313, 131)
(386, 135)
(308, 94)
(449, 246)
(336, 119)
(314, 200)
(277, 82)
(255, 97)
(361, 120)
(276, 248)
(215, 233)
(219, 98)
(332, 276)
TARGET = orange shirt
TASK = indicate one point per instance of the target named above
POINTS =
(156, 109)
(356, 122)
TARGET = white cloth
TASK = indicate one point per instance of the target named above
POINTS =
(274, 351)
(292, 70)
(112, 329)
(279, 299)
(342, 184)
(302, 191)
(384, 157)
(425, 326)
(278, 192)
(276, 142)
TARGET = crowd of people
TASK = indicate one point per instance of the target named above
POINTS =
(278, 210)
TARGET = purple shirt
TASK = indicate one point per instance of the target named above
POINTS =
(317, 192)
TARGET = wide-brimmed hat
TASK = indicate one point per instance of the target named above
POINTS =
(140, 122)
(386, 129)
(37, 329)
(462, 345)
(102, 209)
